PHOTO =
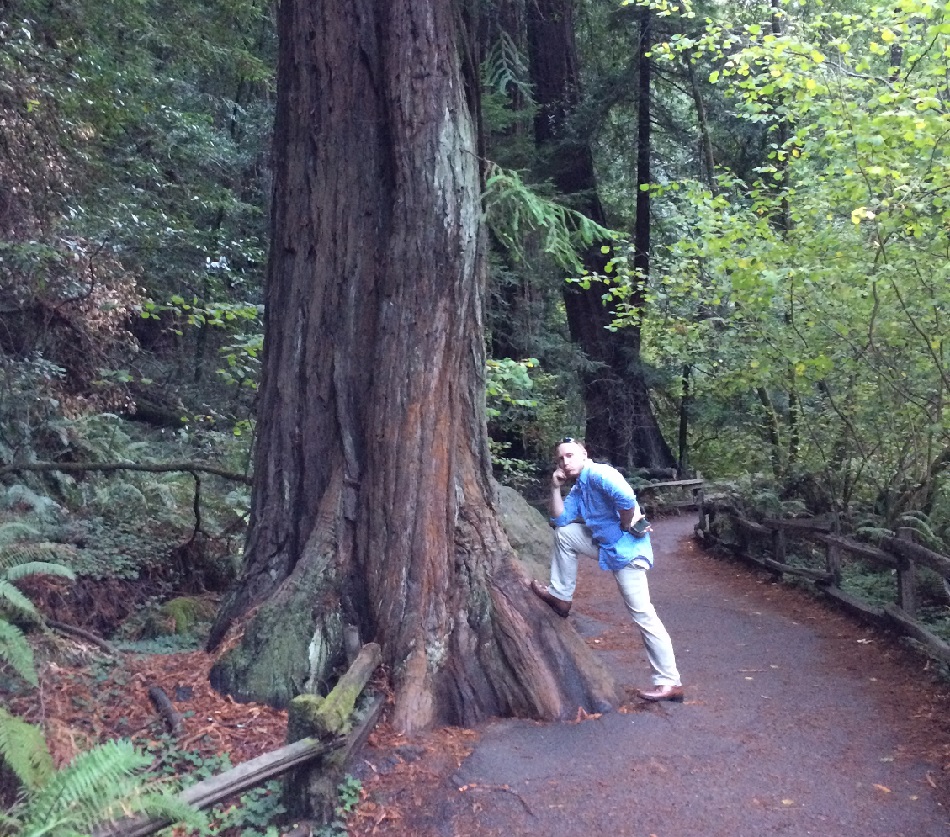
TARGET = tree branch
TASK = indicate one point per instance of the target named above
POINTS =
(63, 628)
(108, 467)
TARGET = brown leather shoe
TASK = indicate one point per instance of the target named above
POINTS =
(559, 606)
(674, 693)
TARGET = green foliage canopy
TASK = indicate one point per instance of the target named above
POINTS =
(822, 279)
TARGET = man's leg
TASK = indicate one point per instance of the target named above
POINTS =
(635, 591)
(569, 542)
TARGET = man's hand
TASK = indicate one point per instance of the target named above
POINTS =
(555, 501)
(640, 527)
(630, 516)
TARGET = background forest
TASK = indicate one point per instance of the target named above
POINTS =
(720, 238)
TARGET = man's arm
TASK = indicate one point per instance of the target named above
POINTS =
(630, 516)
(620, 495)
(555, 500)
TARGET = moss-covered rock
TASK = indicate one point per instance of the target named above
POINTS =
(183, 613)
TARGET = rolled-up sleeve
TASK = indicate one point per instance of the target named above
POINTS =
(618, 490)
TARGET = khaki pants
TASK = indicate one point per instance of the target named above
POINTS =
(575, 539)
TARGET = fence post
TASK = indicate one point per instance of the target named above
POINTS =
(703, 517)
(833, 562)
(778, 544)
(707, 518)
(906, 578)
(742, 535)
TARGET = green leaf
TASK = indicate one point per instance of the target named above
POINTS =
(16, 652)
(23, 750)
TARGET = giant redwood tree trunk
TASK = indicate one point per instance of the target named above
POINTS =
(621, 425)
(372, 501)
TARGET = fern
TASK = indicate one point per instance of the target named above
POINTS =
(514, 212)
(23, 750)
(872, 533)
(20, 553)
(794, 508)
(15, 530)
(16, 564)
(98, 786)
(11, 599)
(42, 507)
(505, 67)
(16, 652)
(18, 571)
(921, 525)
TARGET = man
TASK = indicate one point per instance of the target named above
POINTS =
(594, 520)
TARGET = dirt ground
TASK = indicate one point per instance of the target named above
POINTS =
(798, 720)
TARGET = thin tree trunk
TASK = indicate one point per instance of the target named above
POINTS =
(372, 502)
(621, 425)
(705, 140)
(686, 398)
(641, 234)
(783, 222)
(772, 430)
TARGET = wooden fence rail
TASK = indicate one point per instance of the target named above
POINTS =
(685, 494)
(323, 741)
(765, 544)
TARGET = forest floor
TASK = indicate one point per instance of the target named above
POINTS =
(798, 720)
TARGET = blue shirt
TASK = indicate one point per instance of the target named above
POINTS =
(596, 498)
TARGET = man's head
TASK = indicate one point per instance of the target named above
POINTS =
(571, 457)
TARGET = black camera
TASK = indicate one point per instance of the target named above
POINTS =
(639, 529)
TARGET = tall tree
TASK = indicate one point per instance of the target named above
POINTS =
(621, 425)
(373, 502)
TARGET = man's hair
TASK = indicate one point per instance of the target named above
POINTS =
(568, 440)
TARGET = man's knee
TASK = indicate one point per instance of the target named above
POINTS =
(573, 536)
(561, 537)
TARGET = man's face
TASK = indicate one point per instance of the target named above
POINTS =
(571, 459)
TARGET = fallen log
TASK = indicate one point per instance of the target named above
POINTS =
(860, 550)
(855, 605)
(788, 569)
(919, 554)
(694, 483)
(801, 525)
(752, 526)
(112, 467)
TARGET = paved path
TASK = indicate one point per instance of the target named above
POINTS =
(797, 721)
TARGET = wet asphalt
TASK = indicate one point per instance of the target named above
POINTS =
(798, 720)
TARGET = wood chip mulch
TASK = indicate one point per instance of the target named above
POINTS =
(97, 698)
(87, 697)
(397, 775)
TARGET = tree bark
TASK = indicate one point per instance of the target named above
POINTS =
(621, 425)
(373, 502)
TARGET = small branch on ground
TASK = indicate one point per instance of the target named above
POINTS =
(166, 709)
(504, 788)
(72, 630)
